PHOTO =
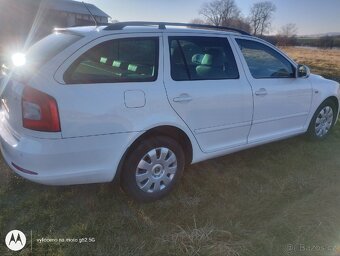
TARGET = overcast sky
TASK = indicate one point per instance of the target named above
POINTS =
(310, 16)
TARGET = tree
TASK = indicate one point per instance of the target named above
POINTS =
(260, 17)
(241, 24)
(288, 30)
(220, 12)
(197, 21)
(287, 35)
(326, 42)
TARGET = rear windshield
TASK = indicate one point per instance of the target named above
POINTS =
(48, 47)
(38, 54)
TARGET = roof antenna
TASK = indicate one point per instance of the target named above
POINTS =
(92, 16)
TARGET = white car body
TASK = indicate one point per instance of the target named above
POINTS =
(100, 122)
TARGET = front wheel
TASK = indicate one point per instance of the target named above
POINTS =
(152, 168)
(323, 120)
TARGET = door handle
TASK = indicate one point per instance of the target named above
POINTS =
(261, 92)
(182, 98)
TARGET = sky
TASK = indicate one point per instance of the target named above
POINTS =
(310, 16)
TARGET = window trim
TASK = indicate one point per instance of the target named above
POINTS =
(179, 37)
(293, 64)
(184, 60)
(72, 66)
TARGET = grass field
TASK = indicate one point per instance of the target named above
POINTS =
(278, 199)
(323, 62)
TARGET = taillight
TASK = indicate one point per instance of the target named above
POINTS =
(39, 111)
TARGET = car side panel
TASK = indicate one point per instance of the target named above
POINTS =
(283, 109)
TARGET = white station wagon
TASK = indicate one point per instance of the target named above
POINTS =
(138, 101)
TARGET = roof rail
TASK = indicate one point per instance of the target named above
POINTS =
(162, 25)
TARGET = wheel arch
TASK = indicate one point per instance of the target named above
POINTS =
(165, 130)
(334, 100)
(330, 99)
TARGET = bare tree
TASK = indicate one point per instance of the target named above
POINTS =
(260, 17)
(326, 42)
(220, 12)
(288, 30)
(240, 23)
(197, 21)
(287, 35)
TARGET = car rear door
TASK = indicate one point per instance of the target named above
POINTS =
(207, 89)
(281, 101)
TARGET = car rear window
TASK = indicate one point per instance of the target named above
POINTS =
(117, 61)
(48, 47)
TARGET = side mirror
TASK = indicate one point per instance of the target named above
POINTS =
(302, 71)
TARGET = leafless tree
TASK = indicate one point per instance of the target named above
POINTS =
(326, 42)
(288, 30)
(260, 17)
(220, 12)
(197, 21)
(240, 23)
(287, 35)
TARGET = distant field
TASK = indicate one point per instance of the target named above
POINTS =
(323, 62)
(278, 199)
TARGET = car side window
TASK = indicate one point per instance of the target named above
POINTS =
(201, 58)
(120, 60)
(265, 62)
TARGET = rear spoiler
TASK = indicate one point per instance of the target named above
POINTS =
(67, 31)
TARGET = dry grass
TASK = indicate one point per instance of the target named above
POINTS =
(325, 62)
(205, 240)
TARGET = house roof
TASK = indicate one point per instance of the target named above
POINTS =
(74, 7)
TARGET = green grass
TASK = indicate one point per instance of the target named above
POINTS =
(255, 202)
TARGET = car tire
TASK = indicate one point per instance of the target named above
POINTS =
(152, 168)
(322, 121)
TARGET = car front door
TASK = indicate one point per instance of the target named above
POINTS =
(281, 101)
(208, 90)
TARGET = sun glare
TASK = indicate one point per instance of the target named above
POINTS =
(19, 59)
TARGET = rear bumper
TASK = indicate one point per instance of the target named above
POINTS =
(64, 161)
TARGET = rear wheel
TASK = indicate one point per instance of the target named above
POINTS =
(152, 168)
(323, 120)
